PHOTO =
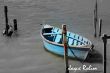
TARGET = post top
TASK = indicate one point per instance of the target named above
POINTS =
(64, 26)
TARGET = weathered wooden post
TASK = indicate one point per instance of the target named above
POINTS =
(100, 26)
(104, 38)
(65, 47)
(95, 19)
(15, 25)
(95, 34)
(96, 9)
(6, 19)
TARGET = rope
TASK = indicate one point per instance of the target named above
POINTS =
(75, 55)
(92, 46)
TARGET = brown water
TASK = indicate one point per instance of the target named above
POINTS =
(25, 54)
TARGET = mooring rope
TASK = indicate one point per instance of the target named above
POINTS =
(75, 55)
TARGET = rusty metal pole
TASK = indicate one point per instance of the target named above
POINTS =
(6, 19)
(65, 47)
(100, 26)
(104, 38)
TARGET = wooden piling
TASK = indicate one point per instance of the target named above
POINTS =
(6, 19)
(94, 22)
(95, 19)
(100, 26)
(96, 11)
(15, 24)
(64, 32)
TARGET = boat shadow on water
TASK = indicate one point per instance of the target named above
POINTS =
(94, 57)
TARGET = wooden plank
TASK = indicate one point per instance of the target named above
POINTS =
(51, 33)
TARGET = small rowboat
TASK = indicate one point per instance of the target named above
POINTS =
(78, 46)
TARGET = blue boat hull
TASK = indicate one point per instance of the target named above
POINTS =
(59, 50)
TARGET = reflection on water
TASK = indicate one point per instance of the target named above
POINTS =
(24, 53)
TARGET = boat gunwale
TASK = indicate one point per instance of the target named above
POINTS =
(71, 46)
